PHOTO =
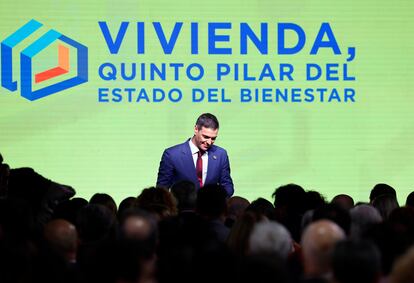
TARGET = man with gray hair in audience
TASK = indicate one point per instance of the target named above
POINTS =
(363, 216)
(270, 237)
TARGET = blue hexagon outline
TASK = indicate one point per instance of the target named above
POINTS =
(32, 50)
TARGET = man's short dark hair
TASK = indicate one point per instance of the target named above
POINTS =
(381, 189)
(410, 199)
(186, 195)
(207, 120)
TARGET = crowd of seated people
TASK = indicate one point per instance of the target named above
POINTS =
(179, 234)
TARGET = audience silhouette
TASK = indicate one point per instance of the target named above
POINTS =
(184, 234)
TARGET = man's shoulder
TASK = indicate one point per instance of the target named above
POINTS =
(217, 150)
(178, 147)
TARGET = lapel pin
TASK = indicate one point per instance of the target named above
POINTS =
(214, 157)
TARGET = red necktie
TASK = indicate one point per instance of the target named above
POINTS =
(199, 168)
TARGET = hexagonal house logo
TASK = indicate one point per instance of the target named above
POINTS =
(33, 85)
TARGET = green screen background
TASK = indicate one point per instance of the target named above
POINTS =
(116, 147)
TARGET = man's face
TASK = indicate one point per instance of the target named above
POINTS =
(204, 137)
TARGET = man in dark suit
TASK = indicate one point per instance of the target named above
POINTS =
(197, 160)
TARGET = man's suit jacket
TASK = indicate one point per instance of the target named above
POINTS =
(177, 164)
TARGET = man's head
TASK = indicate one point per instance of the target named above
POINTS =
(186, 195)
(270, 237)
(205, 131)
(381, 189)
(344, 201)
(318, 242)
(62, 237)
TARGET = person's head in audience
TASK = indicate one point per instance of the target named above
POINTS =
(126, 203)
(385, 204)
(381, 189)
(236, 206)
(290, 205)
(186, 195)
(318, 242)
(289, 196)
(138, 224)
(158, 201)
(96, 223)
(105, 200)
(262, 208)
(410, 200)
(363, 217)
(356, 262)
(314, 200)
(344, 201)
(62, 237)
(76, 205)
(69, 210)
(270, 237)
